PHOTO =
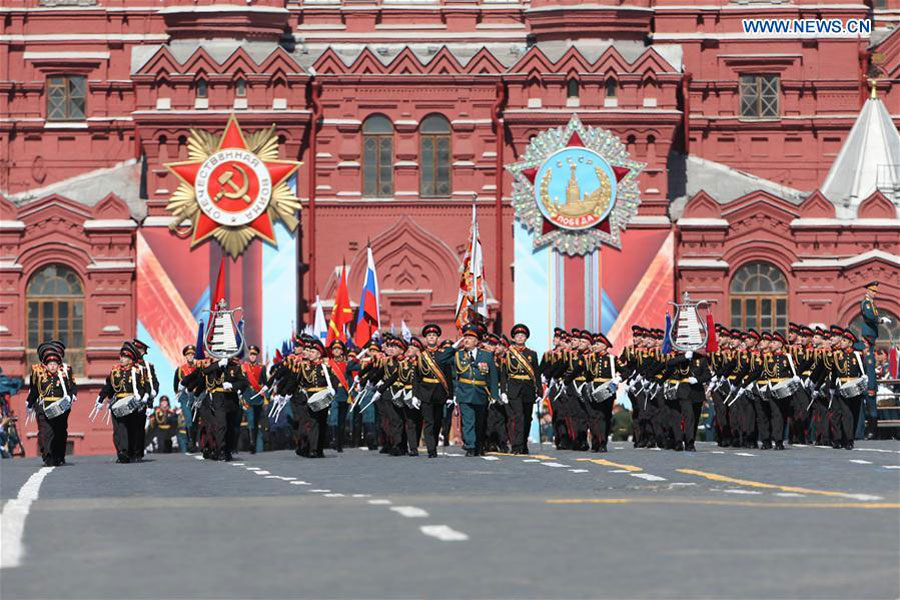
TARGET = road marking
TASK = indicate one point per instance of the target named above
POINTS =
(892, 466)
(299, 483)
(262, 472)
(578, 471)
(790, 495)
(334, 495)
(272, 476)
(553, 464)
(234, 464)
(870, 450)
(743, 454)
(362, 495)
(861, 462)
(531, 460)
(252, 468)
(443, 533)
(490, 458)
(320, 491)
(783, 488)
(717, 452)
(452, 454)
(648, 476)
(199, 457)
(12, 519)
(748, 492)
(288, 478)
(698, 501)
(620, 471)
(379, 501)
(411, 512)
(609, 463)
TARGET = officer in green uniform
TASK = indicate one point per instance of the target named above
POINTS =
(871, 320)
(476, 383)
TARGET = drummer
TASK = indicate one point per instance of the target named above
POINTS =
(50, 385)
(311, 377)
(126, 385)
(779, 372)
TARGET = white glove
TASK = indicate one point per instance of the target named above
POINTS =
(417, 404)
(544, 379)
(99, 402)
(795, 379)
(713, 380)
(148, 411)
(689, 354)
(227, 386)
(376, 396)
(504, 398)
(692, 380)
(616, 380)
(145, 398)
(451, 401)
(886, 320)
(457, 343)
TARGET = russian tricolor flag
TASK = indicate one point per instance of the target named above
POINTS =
(368, 319)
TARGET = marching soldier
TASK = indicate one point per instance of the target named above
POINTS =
(311, 377)
(52, 391)
(185, 397)
(688, 373)
(476, 383)
(847, 399)
(125, 386)
(777, 369)
(389, 397)
(149, 374)
(496, 433)
(523, 387)
(871, 320)
(337, 418)
(254, 396)
(225, 382)
(432, 387)
(601, 369)
(411, 409)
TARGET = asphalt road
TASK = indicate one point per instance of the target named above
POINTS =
(804, 523)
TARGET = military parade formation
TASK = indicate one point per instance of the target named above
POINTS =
(765, 389)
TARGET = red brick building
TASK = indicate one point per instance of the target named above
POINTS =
(405, 112)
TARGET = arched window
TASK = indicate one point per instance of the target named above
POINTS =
(55, 311)
(240, 88)
(378, 157)
(886, 332)
(572, 88)
(759, 293)
(434, 157)
(202, 88)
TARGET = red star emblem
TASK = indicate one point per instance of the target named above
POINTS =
(233, 187)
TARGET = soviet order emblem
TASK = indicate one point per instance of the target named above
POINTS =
(233, 187)
(576, 188)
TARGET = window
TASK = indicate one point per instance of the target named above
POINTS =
(434, 157)
(240, 88)
(611, 88)
(55, 311)
(65, 97)
(572, 88)
(759, 298)
(378, 157)
(886, 332)
(759, 96)
(202, 88)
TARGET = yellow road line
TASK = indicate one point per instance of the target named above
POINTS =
(699, 501)
(538, 456)
(784, 488)
(609, 463)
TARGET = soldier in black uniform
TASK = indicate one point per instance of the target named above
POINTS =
(149, 374)
(225, 382)
(124, 380)
(777, 368)
(390, 392)
(522, 374)
(601, 369)
(496, 433)
(847, 362)
(51, 383)
(311, 376)
(432, 387)
(689, 372)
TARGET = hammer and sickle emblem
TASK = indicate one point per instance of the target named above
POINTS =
(227, 179)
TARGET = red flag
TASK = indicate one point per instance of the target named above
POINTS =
(341, 312)
(892, 363)
(219, 291)
(712, 343)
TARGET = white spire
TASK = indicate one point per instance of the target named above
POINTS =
(868, 160)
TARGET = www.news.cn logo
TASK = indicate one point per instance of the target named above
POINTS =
(810, 27)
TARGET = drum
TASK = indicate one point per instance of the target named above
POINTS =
(321, 400)
(58, 408)
(125, 406)
(785, 389)
(601, 392)
(854, 388)
(397, 398)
